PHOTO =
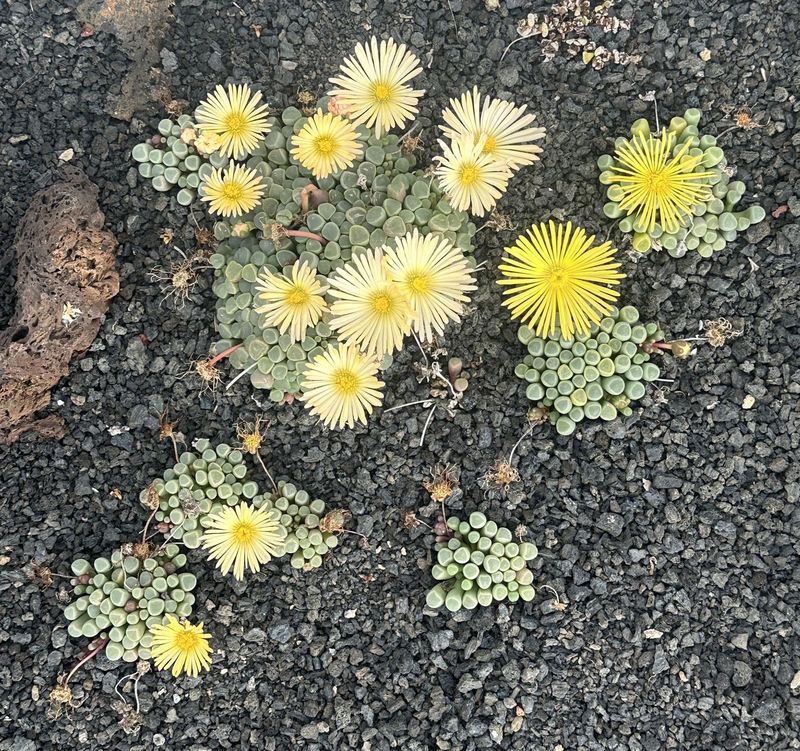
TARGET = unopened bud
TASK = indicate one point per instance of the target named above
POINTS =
(681, 349)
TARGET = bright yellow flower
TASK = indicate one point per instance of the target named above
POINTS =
(472, 180)
(655, 185)
(504, 128)
(340, 386)
(236, 117)
(327, 143)
(372, 86)
(295, 303)
(434, 276)
(370, 311)
(181, 646)
(557, 278)
(243, 536)
(232, 192)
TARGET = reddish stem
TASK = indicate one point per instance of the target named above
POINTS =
(305, 233)
(88, 656)
(224, 353)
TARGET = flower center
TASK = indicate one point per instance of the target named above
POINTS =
(657, 182)
(187, 641)
(381, 303)
(382, 92)
(244, 533)
(345, 382)
(232, 191)
(324, 145)
(418, 282)
(558, 278)
(235, 123)
(469, 175)
(489, 145)
(298, 296)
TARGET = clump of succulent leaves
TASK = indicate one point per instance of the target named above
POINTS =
(122, 597)
(595, 375)
(170, 159)
(308, 538)
(713, 222)
(376, 200)
(199, 485)
(477, 563)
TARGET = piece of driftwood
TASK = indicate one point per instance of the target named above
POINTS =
(66, 275)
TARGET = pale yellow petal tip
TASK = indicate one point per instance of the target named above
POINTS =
(243, 538)
(556, 277)
(473, 181)
(341, 386)
(327, 143)
(372, 85)
(235, 117)
(181, 647)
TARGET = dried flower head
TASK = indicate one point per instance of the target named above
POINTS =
(235, 117)
(472, 180)
(334, 521)
(326, 143)
(291, 303)
(502, 474)
(720, 331)
(251, 434)
(341, 387)
(503, 128)
(61, 697)
(233, 191)
(442, 482)
(557, 277)
(656, 186)
(372, 85)
(151, 499)
(181, 647)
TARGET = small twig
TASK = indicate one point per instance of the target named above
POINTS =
(214, 360)
(266, 472)
(426, 402)
(305, 233)
(88, 656)
(419, 344)
(241, 374)
(147, 524)
(521, 439)
(511, 44)
(427, 423)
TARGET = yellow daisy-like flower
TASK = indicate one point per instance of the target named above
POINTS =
(243, 537)
(656, 187)
(236, 117)
(472, 180)
(504, 128)
(370, 310)
(340, 386)
(372, 86)
(556, 277)
(434, 276)
(293, 304)
(232, 192)
(181, 646)
(327, 143)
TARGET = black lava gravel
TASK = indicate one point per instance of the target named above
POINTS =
(668, 604)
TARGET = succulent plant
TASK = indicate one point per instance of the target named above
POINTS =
(306, 542)
(120, 598)
(170, 159)
(714, 223)
(376, 200)
(197, 486)
(594, 375)
(480, 563)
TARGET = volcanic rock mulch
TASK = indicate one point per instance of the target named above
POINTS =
(671, 537)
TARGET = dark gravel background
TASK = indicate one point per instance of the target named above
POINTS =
(672, 537)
